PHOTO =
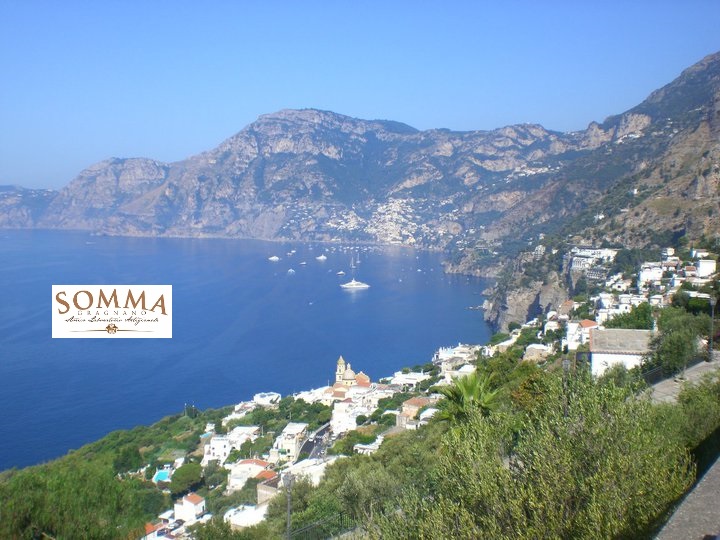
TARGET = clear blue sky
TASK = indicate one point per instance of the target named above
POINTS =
(84, 81)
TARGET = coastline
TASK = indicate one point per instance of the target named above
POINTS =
(240, 325)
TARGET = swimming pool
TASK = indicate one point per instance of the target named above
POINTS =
(162, 475)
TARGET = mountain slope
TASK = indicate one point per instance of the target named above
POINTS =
(318, 175)
(313, 175)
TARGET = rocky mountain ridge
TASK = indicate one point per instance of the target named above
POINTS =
(480, 195)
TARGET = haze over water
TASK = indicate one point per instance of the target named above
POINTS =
(241, 325)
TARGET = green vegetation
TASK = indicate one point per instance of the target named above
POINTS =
(588, 461)
(289, 409)
(640, 318)
(186, 477)
(472, 394)
(498, 337)
(693, 305)
(389, 404)
(366, 435)
(584, 311)
(516, 451)
(555, 457)
(627, 261)
(677, 342)
(97, 491)
(520, 451)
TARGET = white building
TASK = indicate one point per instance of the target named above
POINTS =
(425, 416)
(578, 333)
(369, 448)
(408, 380)
(243, 470)
(287, 445)
(705, 268)
(241, 434)
(537, 352)
(218, 449)
(344, 415)
(601, 254)
(453, 374)
(649, 273)
(245, 515)
(266, 399)
(316, 395)
(189, 508)
(241, 409)
(581, 263)
(613, 346)
(313, 468)
(460, 354)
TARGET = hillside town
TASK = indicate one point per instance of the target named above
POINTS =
(299, 452)
(408, 399)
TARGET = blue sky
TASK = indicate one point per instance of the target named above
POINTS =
(84, 81)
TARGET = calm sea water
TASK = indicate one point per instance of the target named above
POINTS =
(241, 325)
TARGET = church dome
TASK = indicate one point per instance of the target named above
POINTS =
(349, 374)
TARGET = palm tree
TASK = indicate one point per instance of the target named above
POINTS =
(471, 392)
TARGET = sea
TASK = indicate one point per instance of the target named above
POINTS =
(242, 324)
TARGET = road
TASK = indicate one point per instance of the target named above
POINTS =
(667, 391)
(317, 446)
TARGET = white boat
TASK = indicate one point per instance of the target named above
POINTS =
(341, 273)
(274, 258)
(321, 257)
(303, 263)
(354, 284)
(290, 272)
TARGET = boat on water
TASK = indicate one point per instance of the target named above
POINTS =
(274, 258)
(322, 257)
(341, 273)
(290, 272)
(353, 284)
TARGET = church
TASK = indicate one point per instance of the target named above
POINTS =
(346, 377)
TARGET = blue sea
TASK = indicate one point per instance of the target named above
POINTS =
(241, 325)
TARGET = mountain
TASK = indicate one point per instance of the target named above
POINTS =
(317, 175)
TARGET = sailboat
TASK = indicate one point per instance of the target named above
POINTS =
(354, 284)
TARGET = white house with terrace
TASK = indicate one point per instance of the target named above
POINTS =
(288, 444)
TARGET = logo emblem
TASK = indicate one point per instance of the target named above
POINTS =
(111, 311)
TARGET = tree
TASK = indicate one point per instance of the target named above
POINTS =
(185, 477)
(677, 343)
(602, 469)
(215, 474)
(639, 318)
(127, 459)
(675, 350)
(472, 392)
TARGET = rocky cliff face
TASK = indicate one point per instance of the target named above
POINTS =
(318, 175)
(22, 208)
